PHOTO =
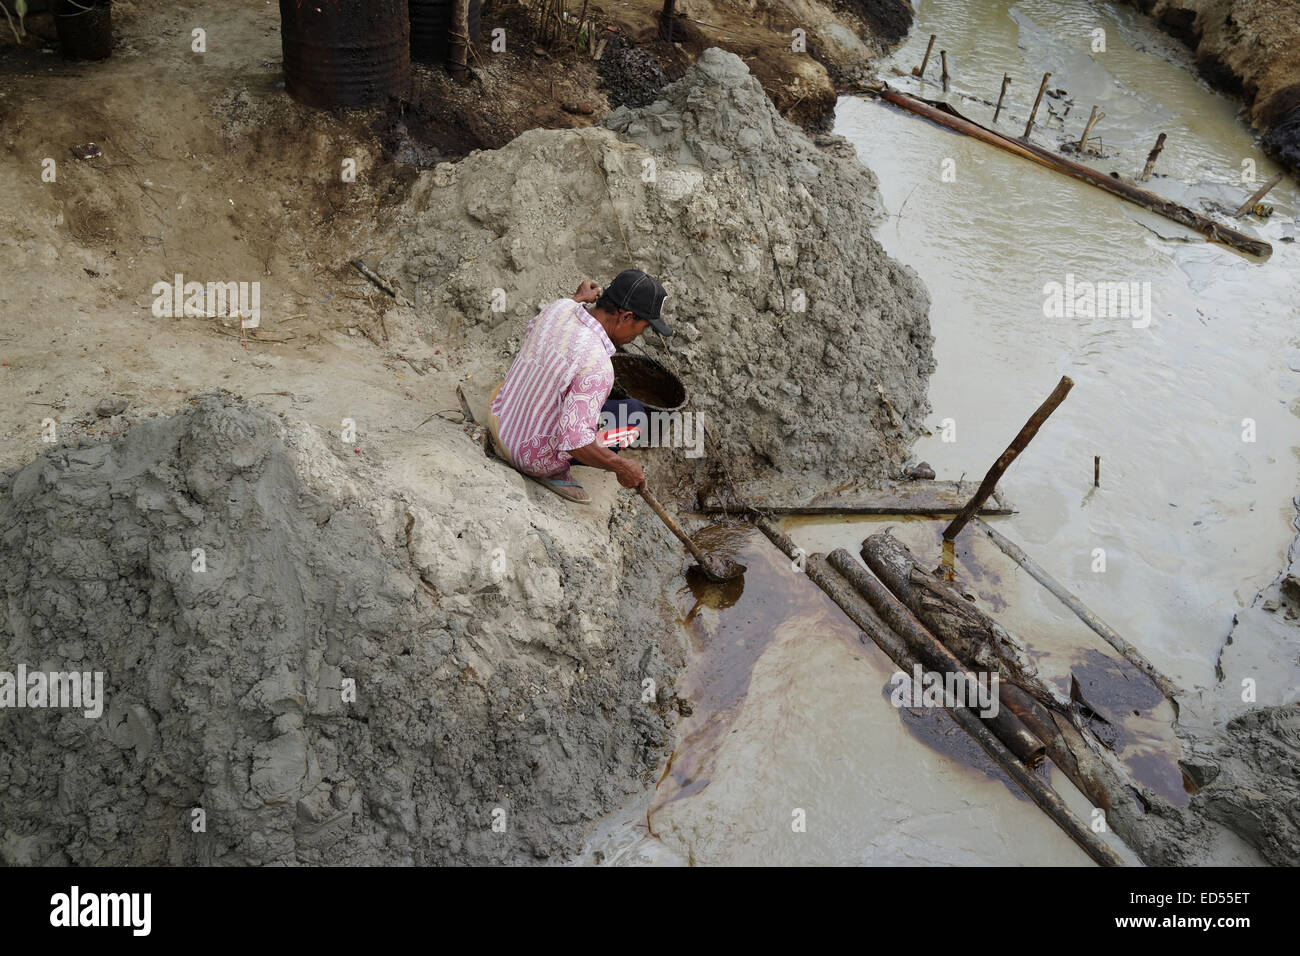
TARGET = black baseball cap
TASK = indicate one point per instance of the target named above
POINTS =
(642, 295)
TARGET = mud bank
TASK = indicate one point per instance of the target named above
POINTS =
(1247, 48)
(786, 310)
(495, 638)
(492, 672)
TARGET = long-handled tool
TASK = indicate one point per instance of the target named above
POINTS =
(715, 569)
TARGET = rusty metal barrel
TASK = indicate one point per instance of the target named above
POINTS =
(346, 52)
(431, 28)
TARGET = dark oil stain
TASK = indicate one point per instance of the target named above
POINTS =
(1138, 721)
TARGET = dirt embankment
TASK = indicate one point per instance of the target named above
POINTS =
(497, 640)
(807, 349)
(1249, 48)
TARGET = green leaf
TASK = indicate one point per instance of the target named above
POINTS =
(20, 8)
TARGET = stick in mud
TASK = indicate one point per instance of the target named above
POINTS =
(943, 58)
(1096, 471)
(1256, 196)
(1042, 87)
(1006, 81)
(1152, 157)
(920, 70)
(1095, 115)
(1018, 444)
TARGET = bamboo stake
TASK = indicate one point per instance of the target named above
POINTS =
(920, 70)
(1256, 196)
(1006, 81)
(1151, 158)
(1108, 633)
(1213, 231)
(1042, 87)
(862, 614)
(943, 58)
(1018, 444)
(1087, 130)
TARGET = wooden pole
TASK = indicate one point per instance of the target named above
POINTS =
(1042, 87)
(458, 48)
(863, 615)
(1096, 471)
(930, 651)
(1018, 444)
(950, 118)
(1059, 720)
(666, 20)
(1108, 633)
(920, 70)
(1006, 81)
(1087, 129)
(1256, 196)
(1152, 157)
(943, 58)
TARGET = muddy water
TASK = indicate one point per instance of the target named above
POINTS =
(1191, 520)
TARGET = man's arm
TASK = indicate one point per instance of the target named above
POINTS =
(596, 455)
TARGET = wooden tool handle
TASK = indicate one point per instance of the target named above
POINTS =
(667, 519)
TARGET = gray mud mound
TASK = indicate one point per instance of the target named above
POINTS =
(805, 346)
(490, 674)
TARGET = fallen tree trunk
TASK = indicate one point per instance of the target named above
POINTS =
(1051, 715)
(970, 633)
(946, 116)
(933, 655)
(862, 614)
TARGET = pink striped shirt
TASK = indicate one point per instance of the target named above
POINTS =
(551, 399)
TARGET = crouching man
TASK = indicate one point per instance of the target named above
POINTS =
(544, 415)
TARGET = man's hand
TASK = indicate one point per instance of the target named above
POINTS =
(629, 474)
(587, 292)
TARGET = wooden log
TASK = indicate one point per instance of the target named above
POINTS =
(1018, 444)
(931, 652)
(1152, 157)
(929, 498)
(943, 77)
(945, 115)
(963, 628)
(1050, 715)
(1107, 633)
(1042, 87)
(1256, 196)
(1006, 81)
(1087, 129)
(920, 70)
(862, 614)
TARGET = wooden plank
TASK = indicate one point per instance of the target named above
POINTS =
(925, 498)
